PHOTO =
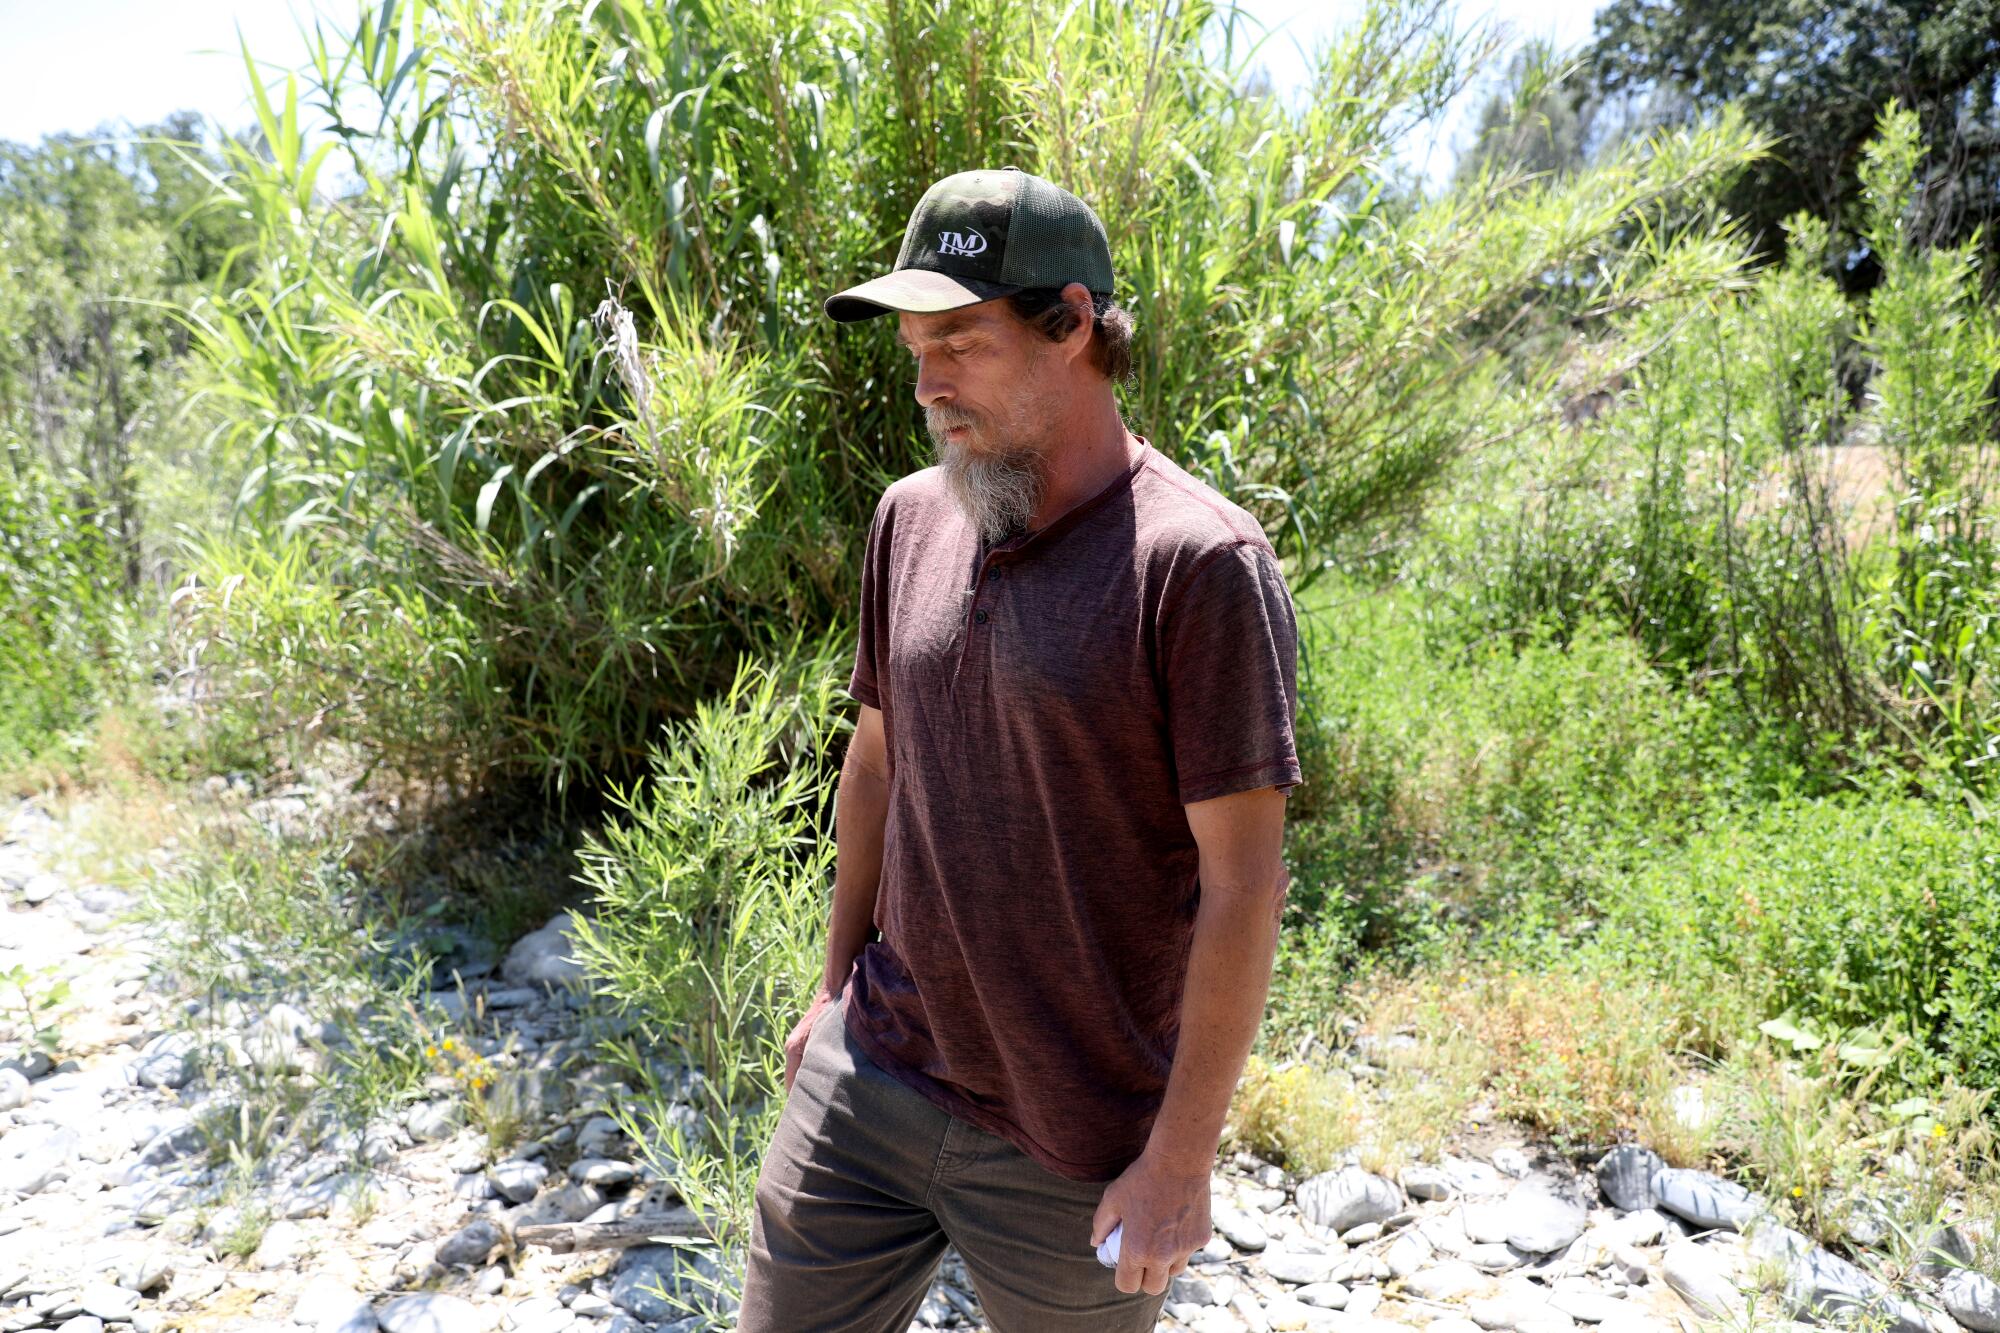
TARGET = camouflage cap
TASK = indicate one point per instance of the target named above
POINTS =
(981, 234)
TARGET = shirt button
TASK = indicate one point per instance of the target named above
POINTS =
(992, 574)
(980, 615)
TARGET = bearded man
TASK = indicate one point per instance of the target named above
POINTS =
(1059, 825)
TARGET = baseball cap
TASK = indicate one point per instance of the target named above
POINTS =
(981, 234)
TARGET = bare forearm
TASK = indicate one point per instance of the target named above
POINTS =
(1228, 977)
(861, 808)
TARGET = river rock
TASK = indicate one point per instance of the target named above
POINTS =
(34, 1155)
(108, 1300)
(666, 1267)
(1704, 1199)
(1427, 1183)
(15, 1090)
(429, 1121)
(1540, 1223)
(1347, 1198)
(470, 1244)
(542, 958)
(1297, 1268)
(167, 1061)
(431, 1312)
(517, 1181)
(1238, 1227)
(1325, 1295)
(1945, 1251)
(283, 1243)
(328, 1303)
(1588, 1306)
(1700, 1279)
(1446, 1281)
(276, 1042)
(603, 1172)
(1625, 1174)
(1973, 1299)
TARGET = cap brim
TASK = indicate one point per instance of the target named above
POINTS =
(918, 290)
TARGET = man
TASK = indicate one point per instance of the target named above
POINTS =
(1062, 808)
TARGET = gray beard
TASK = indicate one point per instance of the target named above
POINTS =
(997, 492)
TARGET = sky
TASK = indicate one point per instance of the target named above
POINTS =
(77, 64)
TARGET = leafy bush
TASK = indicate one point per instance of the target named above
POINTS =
(711, 896)
(557, 361)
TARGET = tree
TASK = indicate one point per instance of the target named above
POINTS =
(1816, 72)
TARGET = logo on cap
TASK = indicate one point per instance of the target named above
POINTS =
(967, 243)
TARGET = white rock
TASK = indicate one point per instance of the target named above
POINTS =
(283, 1243)
(1428, 1183)
(1362, 1301)
(603, 1172)
(543, 957)
(1644, 1227)
(517, 1181)
(107, 1300)
(327, 1303)
(15, 1090)
(83, 1323)
(1325, 1295)
(1973, 1299)
(1407, 1253)
(1238, 1227)
(599, 1137)
(1474, 1179)
(1297, 1268)
(1509, 1310)
(1484, 1223)
(1350, 1197)
(1689, 1107)
(1704, 1199)
(1285, 1315)
(167, 1061)
(1700, 1279)
(1588, 1307)
(276, 1042)
(431, 1312)
(1448, 1281)
(1452, 1323)
(429, 1121)
(546, 1314)
(1511, 1162)
(1539, 1222)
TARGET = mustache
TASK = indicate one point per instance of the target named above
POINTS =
(942, 417)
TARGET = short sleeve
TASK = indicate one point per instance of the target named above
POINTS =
(1230, 661)
(873, 626)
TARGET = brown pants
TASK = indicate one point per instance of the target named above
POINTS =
(864, 1184)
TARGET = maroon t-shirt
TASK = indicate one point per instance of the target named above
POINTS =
(1050, 704)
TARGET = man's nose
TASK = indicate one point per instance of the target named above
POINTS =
(932, 387)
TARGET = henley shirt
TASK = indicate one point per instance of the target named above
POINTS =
(1050, 704)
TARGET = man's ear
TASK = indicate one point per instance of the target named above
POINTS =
(1077, 340)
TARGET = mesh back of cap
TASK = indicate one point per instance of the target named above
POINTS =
(1055, 238)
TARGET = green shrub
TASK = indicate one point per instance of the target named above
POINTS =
(556, 361)
(711, 894)
(1852, 919)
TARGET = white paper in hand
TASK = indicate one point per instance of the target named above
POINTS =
(1107, 1250)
